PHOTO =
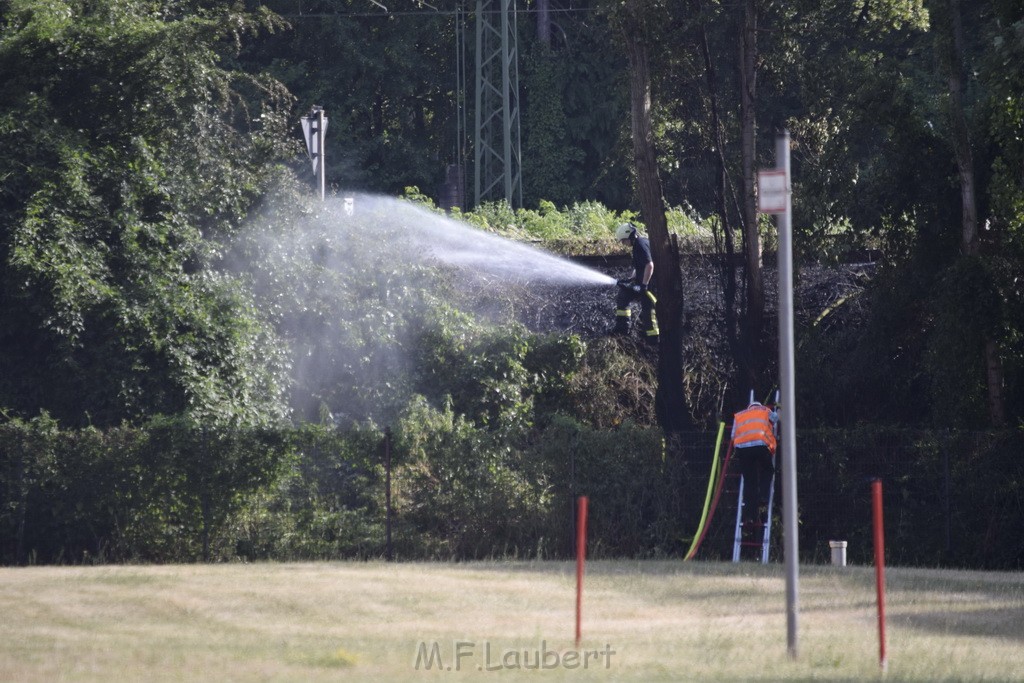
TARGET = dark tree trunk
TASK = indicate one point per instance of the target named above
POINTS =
(961, 134)
(954, 61)
(752, 361)
(722, 190)
(672, 410)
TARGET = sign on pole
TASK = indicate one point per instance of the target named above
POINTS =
(772, 191)
(314, 129)
(312, 150)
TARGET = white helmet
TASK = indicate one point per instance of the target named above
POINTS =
(625, 231)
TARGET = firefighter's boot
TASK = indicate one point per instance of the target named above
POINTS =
(622, 320)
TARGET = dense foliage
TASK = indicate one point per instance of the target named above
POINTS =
(130, 151)
(198, 361)
(170, 491)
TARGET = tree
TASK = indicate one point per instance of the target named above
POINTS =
(872, 102)
(388, 83)
(752, 358)
(1004, 234)
(130, 153)
(552, 173)
(673, 413)
(723, 188)
(952, 60)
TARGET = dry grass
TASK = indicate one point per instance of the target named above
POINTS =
(348, 621)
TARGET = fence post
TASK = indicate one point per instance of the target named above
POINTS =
(876, 494)
(581, 558)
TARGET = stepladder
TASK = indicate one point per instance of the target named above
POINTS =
(755, 433)
(752, 534)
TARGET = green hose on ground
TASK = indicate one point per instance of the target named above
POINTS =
(707, 498)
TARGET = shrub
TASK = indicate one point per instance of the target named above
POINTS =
(329, 504)
(460, 492)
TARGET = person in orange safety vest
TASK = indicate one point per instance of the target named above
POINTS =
(753, 440)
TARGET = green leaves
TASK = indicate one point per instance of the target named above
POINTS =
(462, 491)
(128, 152)
(161, 493)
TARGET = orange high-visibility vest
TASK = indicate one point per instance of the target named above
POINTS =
(753, 427)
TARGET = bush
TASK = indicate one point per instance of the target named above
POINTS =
(161, 493)
(460, 492)
(624, 475)
(950, 498)
(174, 492)
(329, 504)
(583, 221)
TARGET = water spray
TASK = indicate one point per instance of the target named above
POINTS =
(350, 284)
(428, 235)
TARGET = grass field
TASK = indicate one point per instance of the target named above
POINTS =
(375, 621)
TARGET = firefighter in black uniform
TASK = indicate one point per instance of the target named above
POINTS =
(637, 286)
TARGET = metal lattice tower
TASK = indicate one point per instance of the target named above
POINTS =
(497, 169)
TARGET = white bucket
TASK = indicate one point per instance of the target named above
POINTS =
(838, 552)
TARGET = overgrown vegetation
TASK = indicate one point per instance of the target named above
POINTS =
(196, 360)
(170, 491)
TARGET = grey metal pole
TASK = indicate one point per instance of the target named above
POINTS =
(787, 383)
(388, 550)
(478, 146)
(506, 101)
(321, 167)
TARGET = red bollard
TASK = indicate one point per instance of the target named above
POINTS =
(876, 494)
(581, 559)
